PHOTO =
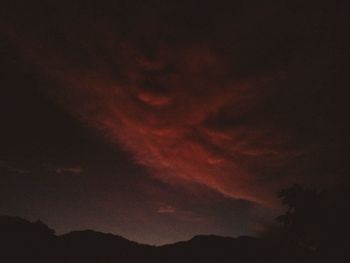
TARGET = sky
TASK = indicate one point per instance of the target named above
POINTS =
(159, 121)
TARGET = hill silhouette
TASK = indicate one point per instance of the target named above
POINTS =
(315, 228)
(24, 241)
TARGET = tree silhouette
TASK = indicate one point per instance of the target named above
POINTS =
(317, 220)
(303, 221)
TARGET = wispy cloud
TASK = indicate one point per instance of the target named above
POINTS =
(13, 168)
(179, 214)
(69, 170)
(63, 169)
(167, 209)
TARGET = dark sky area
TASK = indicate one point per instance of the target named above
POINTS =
(158, 121)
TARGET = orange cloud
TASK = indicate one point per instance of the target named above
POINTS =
(181, 215)
(168, 209)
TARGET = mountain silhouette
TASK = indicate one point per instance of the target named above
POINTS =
(91, 246)
(24, 241)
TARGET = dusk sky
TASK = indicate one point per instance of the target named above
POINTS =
(158, 121)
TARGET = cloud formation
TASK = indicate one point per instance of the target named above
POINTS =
(183, 114)
(188, 107)
(69, 170)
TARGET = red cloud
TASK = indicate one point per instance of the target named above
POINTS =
(182, 111)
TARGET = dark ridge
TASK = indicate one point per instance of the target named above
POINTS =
(24, 241)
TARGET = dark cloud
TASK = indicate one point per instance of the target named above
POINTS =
(243, 98)
(213, 102)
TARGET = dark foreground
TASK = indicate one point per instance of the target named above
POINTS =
(23, 241)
